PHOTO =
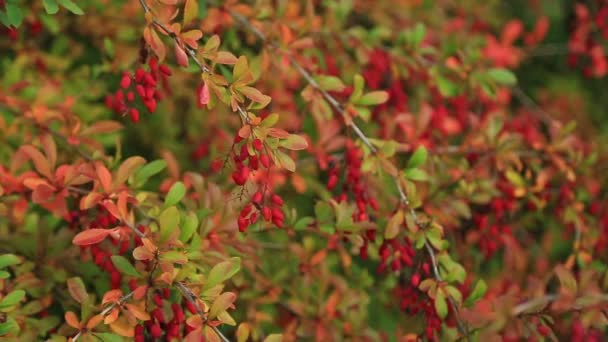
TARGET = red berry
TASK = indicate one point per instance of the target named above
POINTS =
(265, 160)
(134, 113)
(243, 224)
(125, 82)
(165, 70)
(156, 331)
(257, 197)
(276, 199)
(257, 144)
(267, 213)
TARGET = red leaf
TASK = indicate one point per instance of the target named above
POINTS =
(181, 56)
(91, 236)
(203, 94)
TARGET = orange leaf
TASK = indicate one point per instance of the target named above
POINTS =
(195, 335)
(112, 316)
(127, 168)
(123, 328)
(140, 292)
(90, 236)
(94, 321)
(112, 208)
(50, 149)
(72, 320)
(105, 126)
(104, 175)
(41, 164)
(191, 37)
(142, 253)
(195, 321)
(277, 132)
(137, 311)
(318, 257)
(90, 200)
(155, 43)
(221, 304)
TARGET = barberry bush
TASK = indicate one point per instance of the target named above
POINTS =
(303, 170)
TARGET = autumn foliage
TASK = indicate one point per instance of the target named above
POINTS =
(350, 170)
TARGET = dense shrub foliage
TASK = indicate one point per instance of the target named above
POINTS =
(310, 170)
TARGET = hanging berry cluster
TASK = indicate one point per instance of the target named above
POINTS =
(353, 187)
(146, 84)
(589, 33)
(251, 158)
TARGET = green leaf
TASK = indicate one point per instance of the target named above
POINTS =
(222, 272)
(329, 83)
(4, 275)
(169, 220)
(479, 290)
(373, 98)
(418, 158)
(9, 327)
(294, 142)
(358, 83)
(124, 266)
(189, 227)
(109, 337)
(13, 14)
(324, 212)
(446, 87)
(502, 76)
(285, 161)
(416, 175)
(145, 172)
(108, 46)
(418, 34)
(175, 257)
(50, 6)
(274, 338)
(11, 299)
(71, 6)
(303, 223)
(441, 305)
(175, 194)
(9, 260)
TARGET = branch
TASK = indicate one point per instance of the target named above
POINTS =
(189, 50)
(338, 107)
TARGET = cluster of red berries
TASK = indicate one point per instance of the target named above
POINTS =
(354, 183)
(250, 158)
(159, 324)
(143, 83)
(413, 301)
(585, 45)
(271, 211)
(397, 253)
(492, 235)
(101, 255)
